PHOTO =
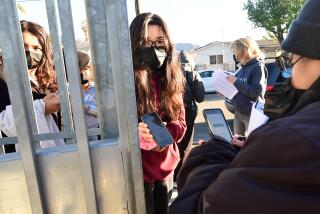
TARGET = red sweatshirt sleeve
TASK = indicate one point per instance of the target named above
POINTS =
(177, 128)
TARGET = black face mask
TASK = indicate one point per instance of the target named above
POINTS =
(33, 59)
(154, 57)
(282, 100)
(235, 59)
(83, 81)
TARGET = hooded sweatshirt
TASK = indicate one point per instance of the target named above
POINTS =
(251, 84)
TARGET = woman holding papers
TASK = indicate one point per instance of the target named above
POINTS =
(277, 170)
(250, 81)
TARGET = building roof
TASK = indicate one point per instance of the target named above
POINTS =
(213, 43)
(268, 43)
(264, 44)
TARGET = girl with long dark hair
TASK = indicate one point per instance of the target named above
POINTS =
(159, 85)
(43, 84)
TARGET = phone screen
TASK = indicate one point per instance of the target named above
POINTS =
(218, 124)
(160, 133)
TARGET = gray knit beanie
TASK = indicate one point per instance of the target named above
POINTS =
(304, 33)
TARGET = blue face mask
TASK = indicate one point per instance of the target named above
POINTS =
(154, 57)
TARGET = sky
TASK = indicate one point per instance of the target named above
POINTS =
(203, 21)
(189, 21)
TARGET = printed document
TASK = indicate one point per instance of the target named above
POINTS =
(223, 86)
(257, 117)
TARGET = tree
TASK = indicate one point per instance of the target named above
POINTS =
(21, 9)
(85, 29)
(273, 15)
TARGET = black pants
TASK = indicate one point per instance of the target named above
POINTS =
(158, 196)
(184, 147)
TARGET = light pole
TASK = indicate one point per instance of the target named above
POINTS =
(137, 6)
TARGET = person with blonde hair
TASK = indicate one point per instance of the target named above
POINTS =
(250, 81)
(277, 170)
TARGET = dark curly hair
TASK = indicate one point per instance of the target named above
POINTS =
(45, 72)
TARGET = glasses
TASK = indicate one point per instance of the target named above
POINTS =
(157, 43)
(291, 62)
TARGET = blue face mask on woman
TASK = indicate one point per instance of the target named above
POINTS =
(154, 57)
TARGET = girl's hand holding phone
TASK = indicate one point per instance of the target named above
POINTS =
(144, 132)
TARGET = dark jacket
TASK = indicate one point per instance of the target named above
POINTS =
(194, 92)
(251, 84)
(4, 95)
(276, 172)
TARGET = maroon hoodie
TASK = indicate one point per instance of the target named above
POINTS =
(157, 166)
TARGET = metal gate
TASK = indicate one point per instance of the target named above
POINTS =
(102, 176)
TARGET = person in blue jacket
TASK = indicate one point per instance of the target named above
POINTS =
(250, 81)
(277, 170)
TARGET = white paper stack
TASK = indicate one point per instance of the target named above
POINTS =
(223, 86)
(257, 117)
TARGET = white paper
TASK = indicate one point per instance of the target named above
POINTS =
(223, 86)
(257, 118)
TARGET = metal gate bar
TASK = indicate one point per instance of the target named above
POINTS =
(15, 62)
(60, 68)
(71, 57)
(100, 57)
(108, 20)
(113, 164)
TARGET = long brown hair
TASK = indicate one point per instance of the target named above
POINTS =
(172, 80)
(45, 72)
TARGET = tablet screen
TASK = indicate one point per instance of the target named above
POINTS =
(218, 124)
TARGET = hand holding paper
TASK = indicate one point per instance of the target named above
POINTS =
(232, 79)
(223, 86)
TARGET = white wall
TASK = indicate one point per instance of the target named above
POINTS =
(203, 56)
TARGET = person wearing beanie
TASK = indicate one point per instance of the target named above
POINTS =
(89, 92)
(277, 170)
